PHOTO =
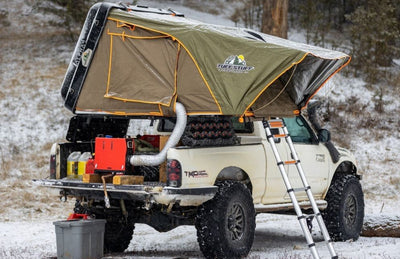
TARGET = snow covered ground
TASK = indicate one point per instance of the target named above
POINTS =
(275, 237)
(33, 59)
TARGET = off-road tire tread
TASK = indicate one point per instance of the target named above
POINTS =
(117, 237)
(209, 224)
(332, 215)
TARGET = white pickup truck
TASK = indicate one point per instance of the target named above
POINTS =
(206, 90)
(219, 189)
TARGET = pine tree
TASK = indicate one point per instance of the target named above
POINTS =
(248, 12)
(374, 32)
(309, 18)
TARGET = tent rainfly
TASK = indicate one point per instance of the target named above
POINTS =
(139, 63)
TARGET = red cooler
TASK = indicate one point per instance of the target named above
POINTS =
(111, 154)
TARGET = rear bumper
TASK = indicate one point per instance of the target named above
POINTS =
(185, 196)
(151, 192)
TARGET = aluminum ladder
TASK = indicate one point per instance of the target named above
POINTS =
(304, 220)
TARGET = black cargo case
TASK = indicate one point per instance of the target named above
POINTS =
(88, 39)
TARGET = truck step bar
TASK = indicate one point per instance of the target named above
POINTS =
(265, 208)
(304, 220)
(305, 205)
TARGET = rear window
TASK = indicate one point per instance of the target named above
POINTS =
(166, 124)
(245, 127)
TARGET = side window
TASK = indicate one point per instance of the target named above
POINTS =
(166, 124)
(299, 130)
(239, 127)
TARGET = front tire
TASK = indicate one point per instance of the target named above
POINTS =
(344, 215)
(226, 224)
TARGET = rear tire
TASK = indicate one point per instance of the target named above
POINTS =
(118, 229)
(226, 224)
(117, 236)
(344, 215)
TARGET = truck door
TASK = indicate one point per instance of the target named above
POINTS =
(275, 187)
(313, 155)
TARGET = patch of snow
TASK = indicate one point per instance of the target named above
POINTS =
(297, 36)
(15, 173)
(276, 236)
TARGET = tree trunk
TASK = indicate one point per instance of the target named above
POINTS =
(274, 20)
(381, 226)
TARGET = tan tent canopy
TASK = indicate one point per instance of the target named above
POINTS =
(145, 62)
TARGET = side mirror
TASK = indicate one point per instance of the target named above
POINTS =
(324, 135)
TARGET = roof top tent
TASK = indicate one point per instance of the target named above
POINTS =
(137, 61)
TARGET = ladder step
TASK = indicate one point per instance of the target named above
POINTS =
(301, 189)
(308, 216)
(291, 162)
(324, 242)
(275, 124)
(280, 136)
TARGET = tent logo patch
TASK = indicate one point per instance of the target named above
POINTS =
(86, 57)
(234, 64)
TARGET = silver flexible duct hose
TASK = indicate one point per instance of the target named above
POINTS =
(154, 160)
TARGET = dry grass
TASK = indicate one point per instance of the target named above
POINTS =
(396, 83)
(351, 116)
(395, 181)
(32, 70)
(22, 201)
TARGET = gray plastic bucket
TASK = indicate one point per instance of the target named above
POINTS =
(80, 239)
